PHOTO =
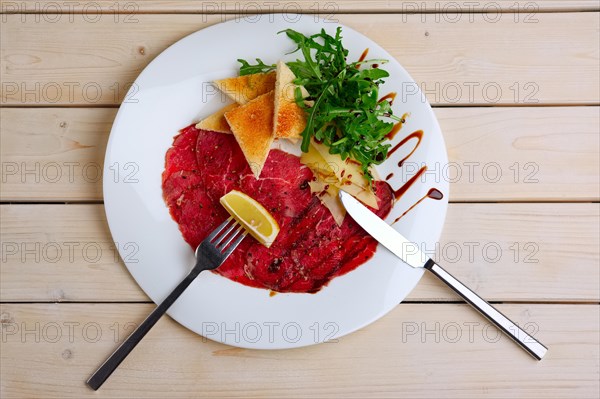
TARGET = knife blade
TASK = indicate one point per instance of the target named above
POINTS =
(410, 253)
(399, 245)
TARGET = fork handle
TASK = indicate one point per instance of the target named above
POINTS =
(526, 341)
(107, 368)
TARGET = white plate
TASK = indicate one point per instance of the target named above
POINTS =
(174, 91)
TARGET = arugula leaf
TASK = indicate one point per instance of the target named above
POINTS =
(260, 67)
(346, 114)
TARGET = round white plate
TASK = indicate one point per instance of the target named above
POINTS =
(174, 91)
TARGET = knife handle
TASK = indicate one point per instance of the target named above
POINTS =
(526, 341)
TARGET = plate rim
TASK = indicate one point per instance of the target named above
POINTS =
(122, 109)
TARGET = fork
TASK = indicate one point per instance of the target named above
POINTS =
(210, 254)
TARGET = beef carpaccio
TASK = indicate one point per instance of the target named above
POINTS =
(310, 249)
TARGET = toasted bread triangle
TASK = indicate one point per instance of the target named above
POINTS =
(217, 122)
(252, 126)
(243, 89)
(289, 120)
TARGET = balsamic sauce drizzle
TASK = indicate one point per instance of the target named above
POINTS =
(433, 193)
(363, 56)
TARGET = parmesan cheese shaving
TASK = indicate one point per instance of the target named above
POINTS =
(348, 174)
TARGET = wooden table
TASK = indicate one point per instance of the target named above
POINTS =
(515, 86)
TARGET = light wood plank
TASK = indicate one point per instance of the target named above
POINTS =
(466, 62)
(522, 154)
(53, 154)
(545, 153)
(520, 252)
(61, 253)
(307, 6)
(548, 252)
(400, 355)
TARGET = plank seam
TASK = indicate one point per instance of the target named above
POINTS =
(307, 12)
(411, 302)
(433, 105)
(99, 202)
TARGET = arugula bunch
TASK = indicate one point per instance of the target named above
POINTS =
(345, 115)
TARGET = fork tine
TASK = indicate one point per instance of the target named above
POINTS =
(216, 231)
(221, 245)
(235, 242)
(225, 234)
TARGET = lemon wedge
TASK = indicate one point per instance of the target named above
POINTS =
(252, 215)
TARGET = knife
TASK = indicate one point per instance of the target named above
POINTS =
(410, 253)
